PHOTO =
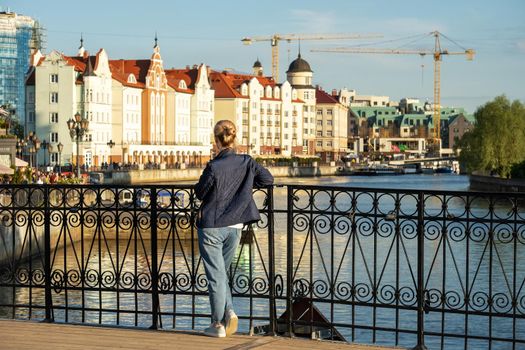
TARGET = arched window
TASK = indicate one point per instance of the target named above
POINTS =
(276, 92)
(244, 90)
(182, 84)
(131, 79)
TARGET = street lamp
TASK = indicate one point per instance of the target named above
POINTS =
(60, 148)
(77, 128)
(110, 145)
(49, 150)
(44, 145)
(33, 144)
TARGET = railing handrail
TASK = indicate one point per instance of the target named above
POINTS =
(306, 206)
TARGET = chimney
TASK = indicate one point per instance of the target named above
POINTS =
(334, 92)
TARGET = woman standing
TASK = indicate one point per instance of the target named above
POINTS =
(225, 189)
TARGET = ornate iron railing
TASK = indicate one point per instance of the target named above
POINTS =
(395, 267)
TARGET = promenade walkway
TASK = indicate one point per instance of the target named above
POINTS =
(21, 335)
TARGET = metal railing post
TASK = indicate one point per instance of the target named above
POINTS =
(271, 263)
(154, 261)
(47, 257)
(289, 261)
(420, 273)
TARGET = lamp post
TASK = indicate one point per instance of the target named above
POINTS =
(110, 145)
(33, 144)
(19, 148)
(77, 128)
(44, 146)
(49, 150)
(60, 148)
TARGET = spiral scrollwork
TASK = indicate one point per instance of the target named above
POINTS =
(182, 282)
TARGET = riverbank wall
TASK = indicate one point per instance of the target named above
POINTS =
(482, 182)
(193, 174)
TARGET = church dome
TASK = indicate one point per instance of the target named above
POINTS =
(257, 64)
(299, 65)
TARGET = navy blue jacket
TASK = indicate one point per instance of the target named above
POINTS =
(226, 190)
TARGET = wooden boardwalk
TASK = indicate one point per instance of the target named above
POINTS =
(32, 335)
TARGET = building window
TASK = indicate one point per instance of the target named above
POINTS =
(329, 133)
(54, 158)
(319, 133)
(53, 78)
(319, 112)
(328, 122)
(329, 144)
(53, 117)
(329, 111)
(319, 143)
(54, 97)
(31, 117)
(320, 122)
(54, 137)
(305, 131)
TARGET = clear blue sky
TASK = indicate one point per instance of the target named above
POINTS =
(192, 32)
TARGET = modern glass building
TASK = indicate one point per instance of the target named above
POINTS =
(19, 36)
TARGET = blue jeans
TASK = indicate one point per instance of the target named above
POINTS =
(217, 247)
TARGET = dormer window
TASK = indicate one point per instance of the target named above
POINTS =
(131, 79)
(182, 85)
(244, 90)
(268, 91)
(276, 92)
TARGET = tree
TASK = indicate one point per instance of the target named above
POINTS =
(498, 139)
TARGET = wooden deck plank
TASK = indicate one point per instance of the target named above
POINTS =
(32, 335)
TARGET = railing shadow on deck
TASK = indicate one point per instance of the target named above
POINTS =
(392, 267)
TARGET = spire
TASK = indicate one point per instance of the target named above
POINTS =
(299, 55)
(155, 40)
(81, 49)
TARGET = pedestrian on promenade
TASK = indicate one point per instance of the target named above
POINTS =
(225, 189)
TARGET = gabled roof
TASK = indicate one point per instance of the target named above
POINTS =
(139, 68)
(226, 84)
(322, 96)
(121, 69)
(190, 76)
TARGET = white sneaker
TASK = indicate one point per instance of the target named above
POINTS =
(215, 330)
(232, 321)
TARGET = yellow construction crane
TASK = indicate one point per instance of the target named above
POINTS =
(437, 54)
(274, 42)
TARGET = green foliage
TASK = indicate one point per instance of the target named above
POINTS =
(18, 177)
(518, 171)
(498, 140)
(69, 181)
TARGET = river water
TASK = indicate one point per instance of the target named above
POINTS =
(329, 260)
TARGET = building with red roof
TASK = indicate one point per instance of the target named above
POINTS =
(138, 112)
(268, 115)
(331, 139)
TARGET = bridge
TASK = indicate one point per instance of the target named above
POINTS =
(18, 335)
